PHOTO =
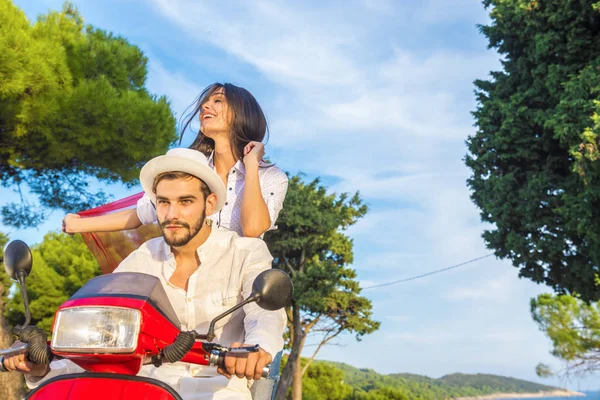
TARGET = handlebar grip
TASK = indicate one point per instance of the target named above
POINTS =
(220, 362)
(39, 350)
(14, 351)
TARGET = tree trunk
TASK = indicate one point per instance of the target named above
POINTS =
(297, 382)
(289, 372)
(11, 383)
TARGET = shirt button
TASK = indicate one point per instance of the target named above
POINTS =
(189, 300)
(230, 188)
(272, 193)
(226, 203)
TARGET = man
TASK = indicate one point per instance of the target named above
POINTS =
(204, 271)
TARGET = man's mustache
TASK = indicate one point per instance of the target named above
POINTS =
(178, 223)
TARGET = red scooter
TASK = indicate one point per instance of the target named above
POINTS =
(115, 324)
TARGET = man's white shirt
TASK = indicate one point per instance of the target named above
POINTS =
(228, 266)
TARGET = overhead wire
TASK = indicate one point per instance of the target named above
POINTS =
(412, 278)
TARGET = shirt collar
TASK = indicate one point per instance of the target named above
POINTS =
(239, 165)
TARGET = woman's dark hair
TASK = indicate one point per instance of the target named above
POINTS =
(248, 120)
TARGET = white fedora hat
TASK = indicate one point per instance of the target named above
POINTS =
(183, 160)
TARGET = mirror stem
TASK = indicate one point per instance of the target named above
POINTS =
(210, 335)
(21, 277)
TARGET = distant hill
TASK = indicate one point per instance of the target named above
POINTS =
(481, 381)
(422, 387)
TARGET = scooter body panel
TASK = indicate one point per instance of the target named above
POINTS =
(100, 386)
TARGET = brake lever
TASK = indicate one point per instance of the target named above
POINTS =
(249, 349)
(215, 347)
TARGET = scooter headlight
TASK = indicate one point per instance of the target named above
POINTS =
(96, 330)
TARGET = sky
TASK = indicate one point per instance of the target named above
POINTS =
(371, 96)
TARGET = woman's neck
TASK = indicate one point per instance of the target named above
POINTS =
(223, 157)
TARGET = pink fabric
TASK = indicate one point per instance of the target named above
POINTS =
(117, 205)
(110, 248)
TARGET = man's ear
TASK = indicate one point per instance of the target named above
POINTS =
(211, 204)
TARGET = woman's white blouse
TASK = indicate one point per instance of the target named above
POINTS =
(273, 185)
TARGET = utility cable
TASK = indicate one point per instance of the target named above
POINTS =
(412, 278)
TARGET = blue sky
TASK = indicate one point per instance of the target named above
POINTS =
(372, 96)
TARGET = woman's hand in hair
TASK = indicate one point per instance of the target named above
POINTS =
(253, 153)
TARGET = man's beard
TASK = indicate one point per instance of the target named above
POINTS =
(185, 239)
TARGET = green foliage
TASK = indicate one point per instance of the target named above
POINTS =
(543, 371)
(72, 107)
(329, 380)
(5, 282)
(310, 244)
(573, 326)
(324, 381)
(534, 157)
(61, 265)
(383, 393)
(494, 382)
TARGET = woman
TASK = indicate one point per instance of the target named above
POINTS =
(232, 127)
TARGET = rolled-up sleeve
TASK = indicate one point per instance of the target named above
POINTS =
(274, 188)
(146, 211)
(262, 327)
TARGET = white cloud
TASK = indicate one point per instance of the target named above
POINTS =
(379, 6)
(422, 338)
(398, 318)
(465, 11)
(391, 259)
(180, 90)
(275, 39)
(495, 290)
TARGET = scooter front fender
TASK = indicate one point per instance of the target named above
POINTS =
(102, 386)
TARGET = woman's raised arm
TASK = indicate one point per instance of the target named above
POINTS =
(118, 221)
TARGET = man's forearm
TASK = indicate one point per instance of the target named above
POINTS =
(266, 328)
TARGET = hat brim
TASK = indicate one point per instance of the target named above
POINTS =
(162, 164)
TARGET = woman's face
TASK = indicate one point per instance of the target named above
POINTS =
(215, 117)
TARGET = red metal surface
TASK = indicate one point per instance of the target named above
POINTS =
(196, 355)
(100, 389)
(156, 333)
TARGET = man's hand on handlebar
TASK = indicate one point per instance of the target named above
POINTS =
(249, 365)
(20, 363)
